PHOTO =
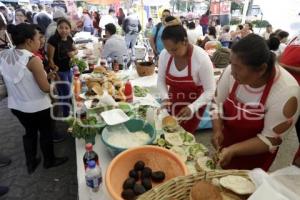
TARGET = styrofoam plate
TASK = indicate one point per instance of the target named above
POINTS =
(115, 116)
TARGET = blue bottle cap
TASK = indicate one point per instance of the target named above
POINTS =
(91, 164)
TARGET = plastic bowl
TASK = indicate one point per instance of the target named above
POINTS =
(145, 68)
(132, 125)
(157, 158)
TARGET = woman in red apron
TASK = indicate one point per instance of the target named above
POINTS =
(183, 91)
(238, 131)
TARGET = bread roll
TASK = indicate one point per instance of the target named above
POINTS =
(205, 191)
(100, 69)
(169, 124)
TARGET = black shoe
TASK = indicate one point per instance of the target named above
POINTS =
(55, 162)
(3, 190)
(4, 161)
(31, 167)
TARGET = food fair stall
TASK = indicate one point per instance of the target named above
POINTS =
(145, 96)
(106, 158)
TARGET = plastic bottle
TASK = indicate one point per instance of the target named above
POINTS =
(125, 61)
(76, 71)
(128, 92)
(89, 155)
(93, 176)
(77, 87)
(115, 64)
(84, 87)
(150, 55)
(109, 62)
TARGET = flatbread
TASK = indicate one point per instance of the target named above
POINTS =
(237, 184)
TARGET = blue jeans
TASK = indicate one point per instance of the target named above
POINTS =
(64, 90)
(204, 29)
(88, 29)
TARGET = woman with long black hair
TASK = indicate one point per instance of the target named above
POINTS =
(61, 49)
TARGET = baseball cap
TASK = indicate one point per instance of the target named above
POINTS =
(59, 14)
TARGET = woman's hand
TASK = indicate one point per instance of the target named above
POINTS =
(217, 139)
(184, 114)
(52, 75)
(53, 66)
(71, 54)
(226, 156)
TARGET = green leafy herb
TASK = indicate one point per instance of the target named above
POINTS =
(140, 91)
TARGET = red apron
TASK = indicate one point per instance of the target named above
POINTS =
(238, 127)
(182, 92)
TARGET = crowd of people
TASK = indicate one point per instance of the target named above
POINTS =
(260, 85)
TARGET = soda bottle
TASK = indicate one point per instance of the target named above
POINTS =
(125, 60)
(115, 64)
(76, 71)
(89, 155)
(128, 92)
(77, 87)
(93, 176)
(109, 62)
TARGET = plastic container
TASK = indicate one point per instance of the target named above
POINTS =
(157, 158)
(114, 117)
(93, 176)
(89, 155)
(128, 92)
(77, 87)
(133, 125)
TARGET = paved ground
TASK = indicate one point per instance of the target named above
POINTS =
(53, 184)
(61, 183)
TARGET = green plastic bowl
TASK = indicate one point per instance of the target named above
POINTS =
(132, 125)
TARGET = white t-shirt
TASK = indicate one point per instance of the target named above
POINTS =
(283, 88)
(115, 46)
(106, 19)
(194, 35)
(24, 93)
(202, 73)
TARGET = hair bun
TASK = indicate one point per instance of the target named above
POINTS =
(172, 21)
(11, 28)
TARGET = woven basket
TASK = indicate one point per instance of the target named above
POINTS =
(145, 68)
(179, 188)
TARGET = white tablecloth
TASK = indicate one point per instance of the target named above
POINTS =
(100, 149)
(104, 159)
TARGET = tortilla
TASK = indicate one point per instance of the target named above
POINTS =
(237, 184)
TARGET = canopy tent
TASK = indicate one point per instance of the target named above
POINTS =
(155, 3)
(103, 2)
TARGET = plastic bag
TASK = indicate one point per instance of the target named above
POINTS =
(282, 184)
(3, 90)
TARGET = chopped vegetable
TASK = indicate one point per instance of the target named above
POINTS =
(173, 139)
(80, 63)
(140, 91)
(179, 151)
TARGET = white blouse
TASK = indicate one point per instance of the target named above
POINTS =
(24, 93)
(202, 73)
(283, 88)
